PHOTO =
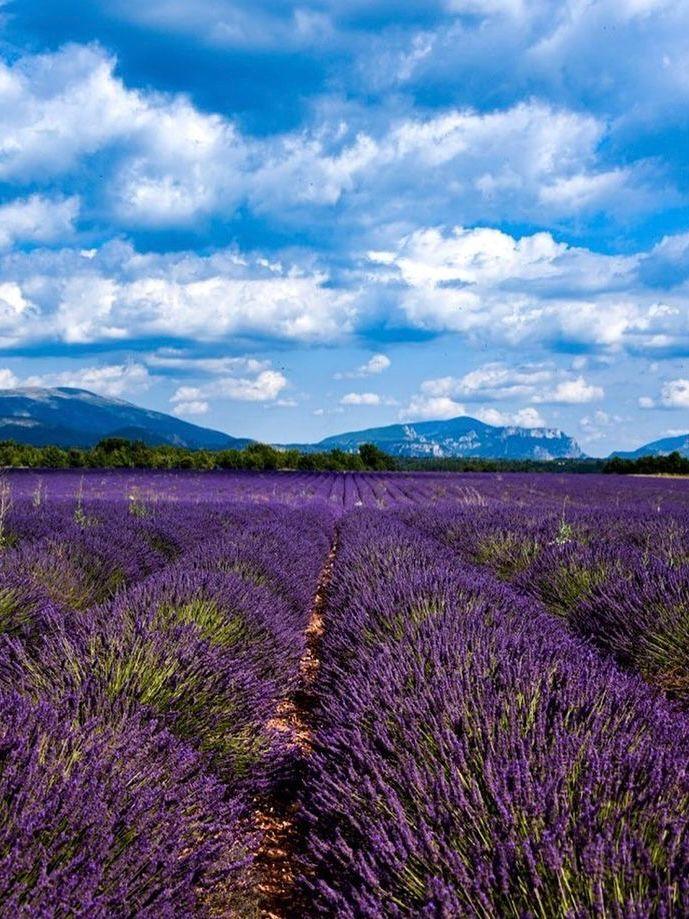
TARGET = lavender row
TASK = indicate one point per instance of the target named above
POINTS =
(618, 579)
(473, 758)
(144, 488)
(137, 734)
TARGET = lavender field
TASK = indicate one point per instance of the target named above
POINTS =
(351, 695)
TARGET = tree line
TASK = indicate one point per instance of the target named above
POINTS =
(120, 453)
(670, 464)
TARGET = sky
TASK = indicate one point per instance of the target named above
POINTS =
(286, 220)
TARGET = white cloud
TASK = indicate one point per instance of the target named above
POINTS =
(373, 366)
(37, 219)
(530, 159)
(550, 49)
(191, 408)
(264, 387)
(171, 164)
(675, 394)
(527, 417)
(8, 379)
(16, 312)
(481, 256)
(109, 380)
(119, 294)
(541, 383)
(376, 364)
(572, 392)
(599, 417)
(485, 285)
(360, 398)
(596, 426)
(491, 382)
(431, 408)
(181, 360)
(490, 286)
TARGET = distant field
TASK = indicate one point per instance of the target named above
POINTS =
(358, 695)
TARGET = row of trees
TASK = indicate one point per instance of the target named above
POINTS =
(671, 464)
(119, 453)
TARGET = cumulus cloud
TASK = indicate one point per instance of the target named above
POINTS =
(360, 398)
(491, 286)
(16, 312)
(118, 294)
(528, 417)
(264, 387)
(190, 408)
(525, 48)
(376, 364)
(492, 381)
(572, 392)
(675, 394)
(171, 164)
(424, 407)
(529, 159)
(483, 284)
(430, 408)
(170, 161)
(108, 379)
(37, 219)
(498, 381)
(8, 379)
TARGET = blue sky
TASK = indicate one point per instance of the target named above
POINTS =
(286, 219)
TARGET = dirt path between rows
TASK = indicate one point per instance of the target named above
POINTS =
(276, 860)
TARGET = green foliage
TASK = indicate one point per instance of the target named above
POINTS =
(506, 553)
(672, 464)
(212, 623)
(373, 458)
(119, 453)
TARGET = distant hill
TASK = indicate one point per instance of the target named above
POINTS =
(77, 418)
(660, 447)
(457, 437)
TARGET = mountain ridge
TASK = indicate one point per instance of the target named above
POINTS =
(457, 437)
(69, 417)
(660, 447)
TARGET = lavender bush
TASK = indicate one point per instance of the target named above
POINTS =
(474, 759)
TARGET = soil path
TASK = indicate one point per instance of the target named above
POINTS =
(276, 860)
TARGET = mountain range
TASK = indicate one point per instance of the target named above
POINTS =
(70, 417)
(679, 444)
(457, 437)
